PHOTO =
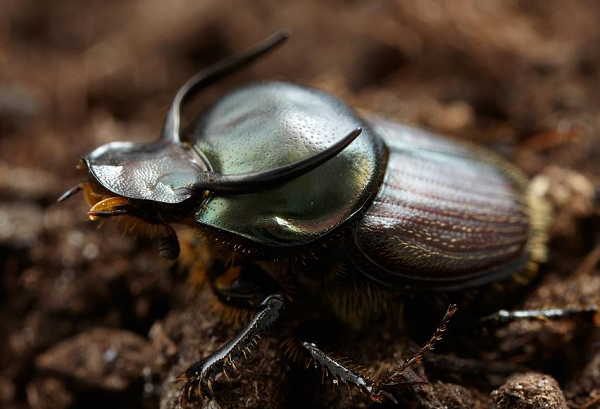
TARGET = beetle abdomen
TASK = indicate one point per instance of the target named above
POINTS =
(447, 215)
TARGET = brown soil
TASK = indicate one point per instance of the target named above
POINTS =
(90, 318)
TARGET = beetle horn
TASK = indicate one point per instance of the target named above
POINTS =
(214, 73)
(257, 181)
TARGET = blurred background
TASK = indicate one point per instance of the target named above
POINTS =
(90, 318)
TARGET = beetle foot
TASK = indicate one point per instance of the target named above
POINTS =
(192, 384)
(201, 375)
(199, 378)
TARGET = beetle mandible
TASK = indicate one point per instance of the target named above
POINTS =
(290, 188)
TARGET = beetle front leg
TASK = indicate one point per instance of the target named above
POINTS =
(202, 374)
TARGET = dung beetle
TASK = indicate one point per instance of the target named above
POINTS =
(297, 198)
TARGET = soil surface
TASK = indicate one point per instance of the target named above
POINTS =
(92, 318)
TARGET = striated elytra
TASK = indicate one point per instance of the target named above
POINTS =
(297, 198)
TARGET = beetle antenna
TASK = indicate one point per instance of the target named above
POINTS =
(75, 189)
(257, 181)
(212, 74)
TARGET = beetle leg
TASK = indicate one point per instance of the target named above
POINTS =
(168, 247)
(376, 388)
(202, 374)
(341, 371)
(590, 312)
(242, 286)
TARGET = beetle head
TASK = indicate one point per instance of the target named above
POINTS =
(138, 215)
(155, 181)
(161, 171)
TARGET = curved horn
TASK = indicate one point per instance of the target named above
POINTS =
(257, 181)
(214, 73)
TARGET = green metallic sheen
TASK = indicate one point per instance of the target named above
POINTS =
(267, 125)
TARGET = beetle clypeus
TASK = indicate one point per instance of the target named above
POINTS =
(291, 189)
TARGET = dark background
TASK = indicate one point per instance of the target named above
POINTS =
(91, 318)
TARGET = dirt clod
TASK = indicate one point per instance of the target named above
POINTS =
(102, 358)
(584, 391)
(199, 331)
(48, 393)
(530, 390)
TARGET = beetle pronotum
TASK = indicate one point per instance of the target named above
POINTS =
(291, 189)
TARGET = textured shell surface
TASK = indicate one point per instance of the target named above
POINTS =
(267, 125)
(446, 212)
(144, 171)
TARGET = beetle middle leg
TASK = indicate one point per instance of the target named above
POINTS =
(377, 389)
